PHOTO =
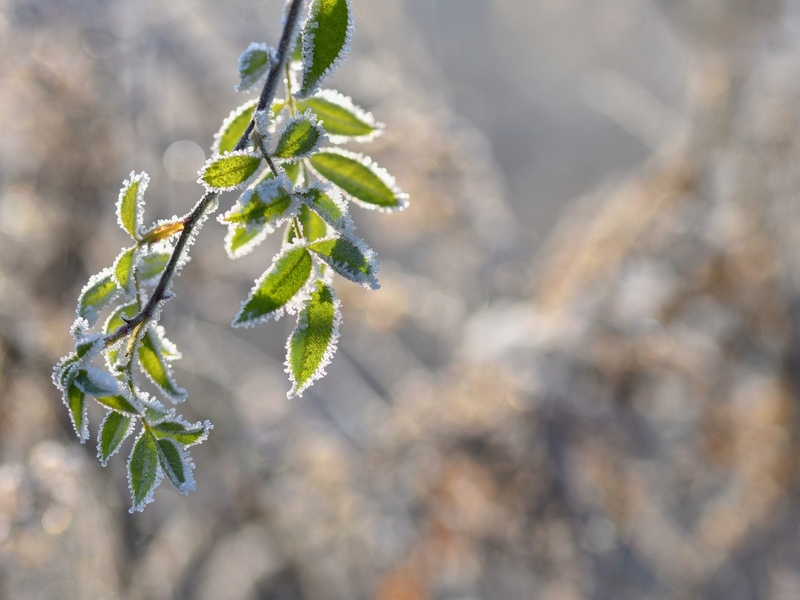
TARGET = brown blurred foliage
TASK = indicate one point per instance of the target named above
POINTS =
(615, 418)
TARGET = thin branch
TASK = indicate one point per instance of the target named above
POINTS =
(191, 221)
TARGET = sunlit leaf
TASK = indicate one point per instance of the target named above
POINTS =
(75, 399)
(99, 292)
(152, 265)
(229, 171)
(313, 226)
(360, 178)
(327, 202)
(233, 128)
(313, 342)
(299, 138)
(325, 36)
(350, 258)
(274, 290)
(342, 120)
(123, 270)
(130, 205)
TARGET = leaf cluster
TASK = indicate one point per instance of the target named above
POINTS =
(282, 156)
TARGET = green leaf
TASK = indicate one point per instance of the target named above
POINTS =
(155, 352)
(276, 287)
(300, 137)
(327, 202)
(313, 226)
(229, 171)
(254, 64)
(130, 205)
(350, 258)
(326, 34)
(144, 474)
(99, 292)
(113, 431)
(176, 464)
(118, 403)
(342, 120)
(123, 269)
(257, 213)
(153, 409)
(183, 433)
(293, 171)
(96, 382)
(113, 323)
(233, 128)
(360, 178)
(313, 341)
(75, 399)
(151, 265)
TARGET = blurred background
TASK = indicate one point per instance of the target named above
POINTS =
(579, 379)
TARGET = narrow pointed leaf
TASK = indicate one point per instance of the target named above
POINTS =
(123, 269)
(113, 431)
(144, 473)
(75, 399)
(154, 355)
(360, 178)
(229, 171)
(350, 258)
(184, 433)
(176, 464)
(343, 121)
(233, 128)
(130, 205)
(96, 382)
(325, 36)
(253, 66)
(99, 292)
(313, 342)
(117, 403)
(274, 290)
(300, 137)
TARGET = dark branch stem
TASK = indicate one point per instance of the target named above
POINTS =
(276, 70)
(194, 218)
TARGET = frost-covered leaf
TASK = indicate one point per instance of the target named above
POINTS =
(155, 352)
(257, 213)
(350, 258)
(153, 409)
(325, 35)
(130, 205)
(124, 266)
(105, 389)
(313, 226)
(152, 264)
(233, 128)
(99, 292)
(87, 346)
(182, 432)
(229, 171)
(274, 290)
(342, 120)
(293, 171)
(144, 473)
(327, 202)
(360, 178)
(176, 464)
(313, 342)
(75, 399)
(254, 64)
(114, 322)
(299, 138)
(113, 431)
